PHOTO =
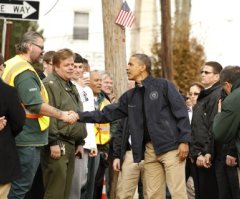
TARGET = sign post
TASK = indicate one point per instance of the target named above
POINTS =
(17, 10)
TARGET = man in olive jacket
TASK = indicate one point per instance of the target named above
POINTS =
(58, 156)
(226, 123)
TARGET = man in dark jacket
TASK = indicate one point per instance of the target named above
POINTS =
(203, 149)
(11, 108)
(226, 122)
(158, 124)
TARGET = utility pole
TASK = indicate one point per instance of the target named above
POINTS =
(166, 40)
(6, 35)
(114, 45)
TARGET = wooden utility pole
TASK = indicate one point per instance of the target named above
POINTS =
(166, 40)
(114, 45)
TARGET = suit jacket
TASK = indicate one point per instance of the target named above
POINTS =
(11, 108)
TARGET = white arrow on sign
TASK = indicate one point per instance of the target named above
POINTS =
(25, 10)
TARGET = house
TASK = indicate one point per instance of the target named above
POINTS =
(74, 24)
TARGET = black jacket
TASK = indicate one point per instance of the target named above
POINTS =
(120, 142)
(166, 116)
(11, 108)
(202, 121)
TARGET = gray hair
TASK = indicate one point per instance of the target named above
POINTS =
(28, 37)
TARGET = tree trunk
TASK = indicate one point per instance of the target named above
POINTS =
(166, 40)
(182, 24)
(114, 45)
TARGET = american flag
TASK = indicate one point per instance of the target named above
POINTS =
(125, 17)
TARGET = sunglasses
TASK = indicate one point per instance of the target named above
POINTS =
(195, 94)
(206, 72)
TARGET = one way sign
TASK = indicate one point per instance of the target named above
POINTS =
(23, 10)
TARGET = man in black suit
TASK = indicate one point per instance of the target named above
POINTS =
(12, 119)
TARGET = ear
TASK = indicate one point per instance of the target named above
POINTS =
(143, 67)
(217, 77)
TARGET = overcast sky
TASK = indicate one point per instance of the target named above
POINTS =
(216, 24)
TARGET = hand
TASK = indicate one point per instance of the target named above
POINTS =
(79, 151)
(200, 161)
(219, 106)
(55, 152)
(116, 164)
(69, 117)
(93, 152)
(207, 162)
(86, 81)
(231, 161)
(3, 122)
(183, 150)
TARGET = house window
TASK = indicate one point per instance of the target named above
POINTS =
(80, 29)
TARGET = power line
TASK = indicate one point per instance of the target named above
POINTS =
(51, 8)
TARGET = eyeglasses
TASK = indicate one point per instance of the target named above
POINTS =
(206, 72)
(194, 94)
(41, 47)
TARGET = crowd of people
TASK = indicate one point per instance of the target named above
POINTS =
(64, 135)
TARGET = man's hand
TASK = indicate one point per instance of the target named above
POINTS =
(207, 163)
(200, 161)
(116, 164)
(204, 161)
(3, 122)
(55, 152)
(231, 161)
(79, 151)
(69, 117)
(219, 106)
(93, 152)
(183, 150)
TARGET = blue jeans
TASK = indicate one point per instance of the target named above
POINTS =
(29, 159)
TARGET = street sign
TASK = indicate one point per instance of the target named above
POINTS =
(21, 10)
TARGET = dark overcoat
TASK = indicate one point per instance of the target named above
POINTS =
(11, 108)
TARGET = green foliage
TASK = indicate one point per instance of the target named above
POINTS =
(188, 58)
(18, 29)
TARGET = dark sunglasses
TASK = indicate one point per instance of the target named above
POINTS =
(195, 94)
(206, 72)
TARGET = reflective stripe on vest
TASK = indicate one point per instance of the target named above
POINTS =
(102, 131)
(11, 72)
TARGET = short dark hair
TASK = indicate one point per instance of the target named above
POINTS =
(215, 65)
(85, 61)
(47, 57)
(230, 74)
(78, 58)
(144, 59)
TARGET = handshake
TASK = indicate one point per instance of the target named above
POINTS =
(69, 117)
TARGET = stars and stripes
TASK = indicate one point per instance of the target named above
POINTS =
(125, 17)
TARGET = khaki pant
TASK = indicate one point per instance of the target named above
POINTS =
(128, 177)
(4, 190)
(162, 169)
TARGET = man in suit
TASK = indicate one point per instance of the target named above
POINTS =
(12, 119)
